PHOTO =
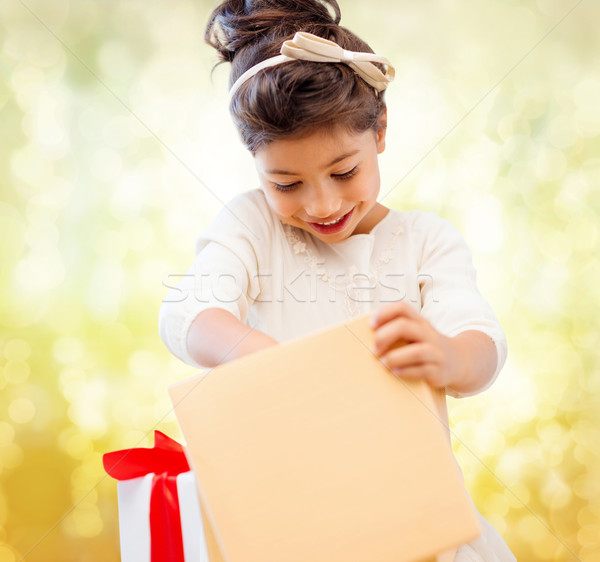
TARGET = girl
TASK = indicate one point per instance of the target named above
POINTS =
(313, 247)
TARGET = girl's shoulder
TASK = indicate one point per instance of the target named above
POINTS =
(427, 233)
(246, 218)
(251, 205)
(421, 223)
(247, 211)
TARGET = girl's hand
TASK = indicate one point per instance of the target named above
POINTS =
(408, 345)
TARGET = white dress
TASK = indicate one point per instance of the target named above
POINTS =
(286, 283)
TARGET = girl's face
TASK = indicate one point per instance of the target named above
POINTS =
(325, 183)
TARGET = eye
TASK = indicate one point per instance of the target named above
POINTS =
(288, 187)
(346, 175)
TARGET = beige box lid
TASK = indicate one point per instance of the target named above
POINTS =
(312, 451)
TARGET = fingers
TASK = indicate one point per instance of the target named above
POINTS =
(397, 332)
(423, 372)
(408, 345)
(416, 354)
(392, 310)
(415, 361)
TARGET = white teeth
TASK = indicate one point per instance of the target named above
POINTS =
(332, 222)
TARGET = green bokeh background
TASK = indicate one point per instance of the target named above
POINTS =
(117, 150)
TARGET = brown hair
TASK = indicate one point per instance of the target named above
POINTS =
(294, 98)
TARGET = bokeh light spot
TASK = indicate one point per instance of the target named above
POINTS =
(88, 404)
(550, 164)
(555, 492)
(104, 290)
(86, 521)
(143, 363)
(39, 271)
(589, 534)
(16, 371)
(68, 349)
(531, 529)
(75, 443)
(517, 496)
(518, 149)
(7, 554)
(497, 504)
(17, 349)
(549, 549)
(21, 410)
(562, 132)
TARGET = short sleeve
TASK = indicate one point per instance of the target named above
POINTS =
(223, 275)
(450, 299)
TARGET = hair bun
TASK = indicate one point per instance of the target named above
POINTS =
(236, 24)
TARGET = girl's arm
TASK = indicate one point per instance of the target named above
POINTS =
(412, 348)
(216, 336)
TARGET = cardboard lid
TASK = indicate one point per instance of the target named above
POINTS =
(312, 451)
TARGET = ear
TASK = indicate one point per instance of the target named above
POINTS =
(381, 132)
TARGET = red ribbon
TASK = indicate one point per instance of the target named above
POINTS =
(166, 460)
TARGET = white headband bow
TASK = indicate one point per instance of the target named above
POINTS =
(306, 46)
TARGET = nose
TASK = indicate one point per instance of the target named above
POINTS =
(322, 202)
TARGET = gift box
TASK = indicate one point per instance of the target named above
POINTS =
(313, 451)
(160, 518)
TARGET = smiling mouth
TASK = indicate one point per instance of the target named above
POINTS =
(331, 227)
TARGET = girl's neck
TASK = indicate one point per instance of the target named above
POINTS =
(373, 218)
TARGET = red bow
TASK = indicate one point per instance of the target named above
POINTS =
(166, 460)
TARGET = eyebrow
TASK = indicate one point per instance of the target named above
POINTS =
(334, 161)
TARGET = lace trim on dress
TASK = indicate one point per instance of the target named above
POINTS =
(353, 283)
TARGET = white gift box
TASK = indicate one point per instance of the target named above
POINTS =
(160, 517)
(134, 519)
